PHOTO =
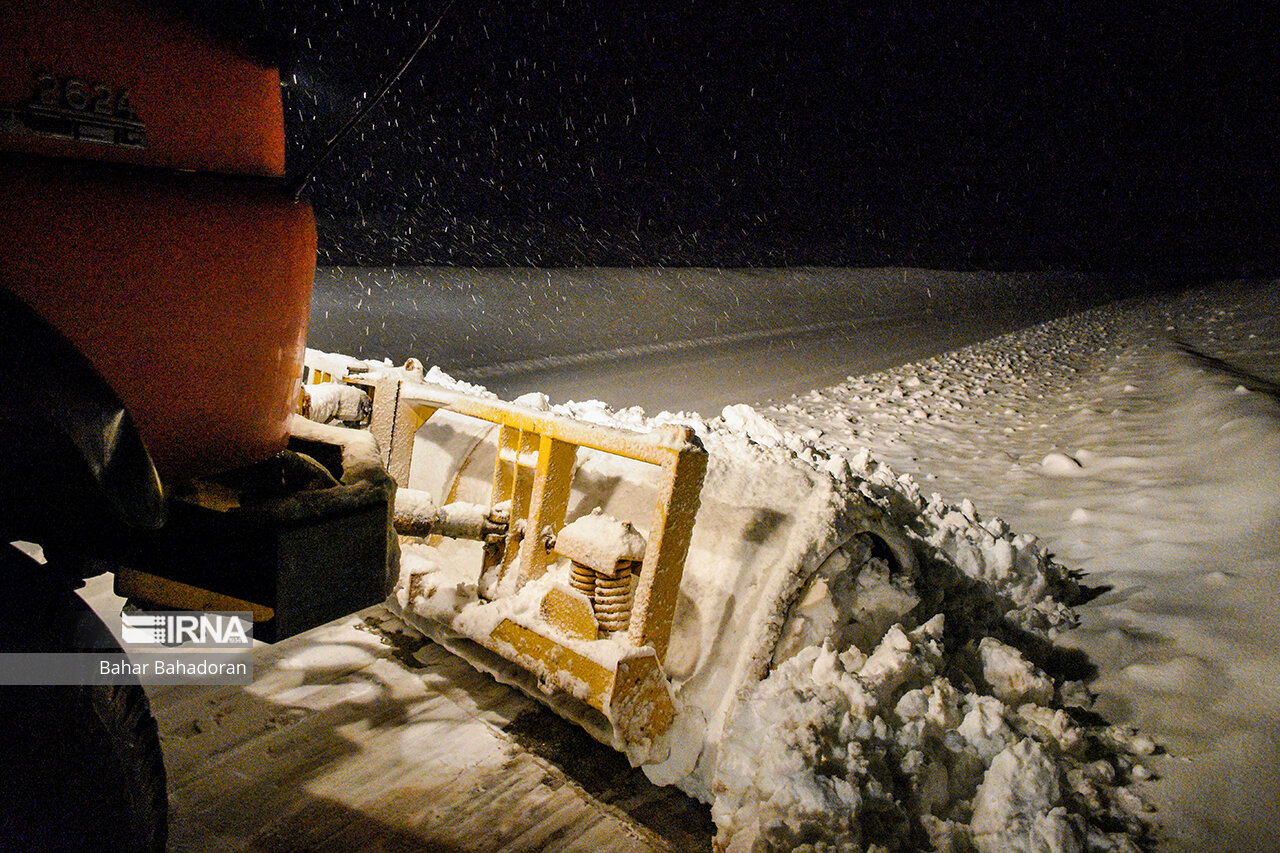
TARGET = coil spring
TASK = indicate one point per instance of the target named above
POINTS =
(612, 602)
(583, 579)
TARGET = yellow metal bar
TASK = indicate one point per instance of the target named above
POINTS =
(382, 421)
(549, 503)
(521, 500)
(504, 484)
(394, 421)
(560, 665)
(634, 697)
(504, 468)
(658, 586)
(653, 447)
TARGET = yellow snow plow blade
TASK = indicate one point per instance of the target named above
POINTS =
(591, 626)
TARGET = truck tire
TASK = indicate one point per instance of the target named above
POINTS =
(80, 765)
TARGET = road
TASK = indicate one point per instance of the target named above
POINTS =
(361, 735)
(707, 378)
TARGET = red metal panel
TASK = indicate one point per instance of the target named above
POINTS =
(190, 293)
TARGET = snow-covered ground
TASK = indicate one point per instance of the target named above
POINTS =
(1158, 475)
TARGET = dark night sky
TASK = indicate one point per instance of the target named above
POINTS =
(555, 132)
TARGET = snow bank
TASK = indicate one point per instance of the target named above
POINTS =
(884, 752)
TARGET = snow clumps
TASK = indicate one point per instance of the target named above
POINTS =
(884, 752)
(942, 730)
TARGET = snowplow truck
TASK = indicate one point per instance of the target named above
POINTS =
(155, 282)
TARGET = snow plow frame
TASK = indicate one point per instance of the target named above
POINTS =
(534, 471)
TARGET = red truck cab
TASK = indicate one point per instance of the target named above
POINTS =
(143, 214)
